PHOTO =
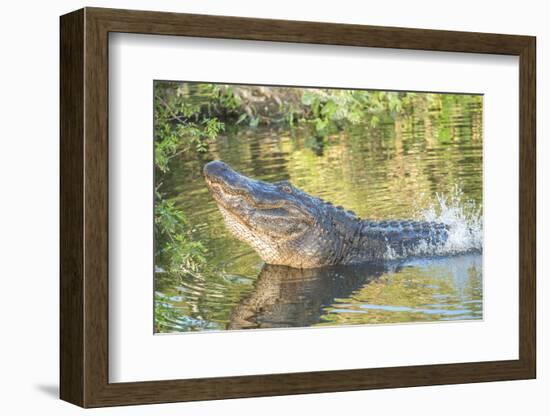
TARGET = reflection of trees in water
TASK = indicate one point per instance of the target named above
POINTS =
(424, 290)
(404, 161)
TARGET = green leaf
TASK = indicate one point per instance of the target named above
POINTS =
(241, 118)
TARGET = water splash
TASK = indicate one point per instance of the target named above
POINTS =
(464, 218)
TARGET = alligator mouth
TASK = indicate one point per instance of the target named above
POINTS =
(223, 194)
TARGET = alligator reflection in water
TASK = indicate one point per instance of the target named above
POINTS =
(288, 297)
(422, 290)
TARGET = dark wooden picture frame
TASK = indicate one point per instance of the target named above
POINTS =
(84, 207)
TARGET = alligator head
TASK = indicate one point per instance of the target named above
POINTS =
(283, 224)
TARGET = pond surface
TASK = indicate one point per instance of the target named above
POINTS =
(424, 166)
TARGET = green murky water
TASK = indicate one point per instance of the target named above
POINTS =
(393, 170)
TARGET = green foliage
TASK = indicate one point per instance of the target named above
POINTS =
(176, 249)
(183, 120)
(183, 123)
(331, 109)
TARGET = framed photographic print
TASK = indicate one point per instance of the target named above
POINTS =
(256, 207)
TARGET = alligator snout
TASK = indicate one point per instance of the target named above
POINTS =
(216, 169)
(222, 177)
(221, 173)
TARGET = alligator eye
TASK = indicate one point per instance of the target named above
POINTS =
(287, 189)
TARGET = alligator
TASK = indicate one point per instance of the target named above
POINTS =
(287, 226)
